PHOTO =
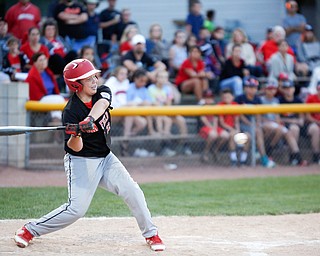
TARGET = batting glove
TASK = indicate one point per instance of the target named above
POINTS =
(88, 125)
(73, 129)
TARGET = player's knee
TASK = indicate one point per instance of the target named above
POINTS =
(78, 212)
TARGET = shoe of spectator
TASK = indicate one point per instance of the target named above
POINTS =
(234, 163)
(168, 152)
(316, 158)
(141, 152)
(204, 158)
(201, 102)
(296, 160)
(267, 162)
(187, 151)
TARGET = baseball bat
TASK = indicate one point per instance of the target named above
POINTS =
(15, 130)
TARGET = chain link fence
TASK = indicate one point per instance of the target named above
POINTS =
(45, 150)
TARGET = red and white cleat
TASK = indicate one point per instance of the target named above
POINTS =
(155, 243)
(22, 237)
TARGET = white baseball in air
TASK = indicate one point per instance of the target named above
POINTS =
(240, 138)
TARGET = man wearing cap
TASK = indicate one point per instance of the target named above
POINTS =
(308, 49)
(293, 121)
(250, 97)
(138, 58)
(271, 122)
(313, 121)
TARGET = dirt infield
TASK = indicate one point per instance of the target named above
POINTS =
(293, 235)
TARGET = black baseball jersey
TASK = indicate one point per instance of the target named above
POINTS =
(94, 144)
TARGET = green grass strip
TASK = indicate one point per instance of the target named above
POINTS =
(254, 196)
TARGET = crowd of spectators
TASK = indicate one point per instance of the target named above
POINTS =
(199, 61)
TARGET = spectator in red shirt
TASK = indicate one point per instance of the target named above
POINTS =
(33, 45)
(192, 77)
(230, 125)
(40, 78)
(269, 47)
(313, 120)
(21, 17)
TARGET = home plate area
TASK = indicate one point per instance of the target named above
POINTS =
(293, 235)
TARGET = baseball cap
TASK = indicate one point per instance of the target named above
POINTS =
(308, 27)
(92, 1)
(138, 39)
(287, 83)
(283, 76)
(271, 83)
(250, 81)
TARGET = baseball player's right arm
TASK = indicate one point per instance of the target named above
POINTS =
(99, 108)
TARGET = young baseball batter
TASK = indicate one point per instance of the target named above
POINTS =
(89, 162)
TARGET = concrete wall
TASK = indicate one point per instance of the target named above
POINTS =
(12, 112)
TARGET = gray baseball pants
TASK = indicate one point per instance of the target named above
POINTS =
(84, 175)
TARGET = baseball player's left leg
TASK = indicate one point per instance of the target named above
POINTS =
(117, 180)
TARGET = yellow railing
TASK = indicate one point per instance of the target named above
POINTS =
(194, 110)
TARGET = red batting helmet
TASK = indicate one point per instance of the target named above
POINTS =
(76, 70)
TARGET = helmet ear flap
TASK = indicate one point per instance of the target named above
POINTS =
(74, 86)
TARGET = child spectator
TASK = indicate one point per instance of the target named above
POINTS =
(219, 44)
(4, 36)
(271, 123)
(209, 58)
(210, 132)
(233, 72)
(178, 52)
(229, 125)
(125, 41)
(250, 97)
(281, 62)
(269, 47)
(162, 95)
(313, 122)
(192, 77)
(293, 121)
(138, 95)
(247, 51)
(118, 83)
(156, 46)
(195, 19)
(209, 20)
(14, 61)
